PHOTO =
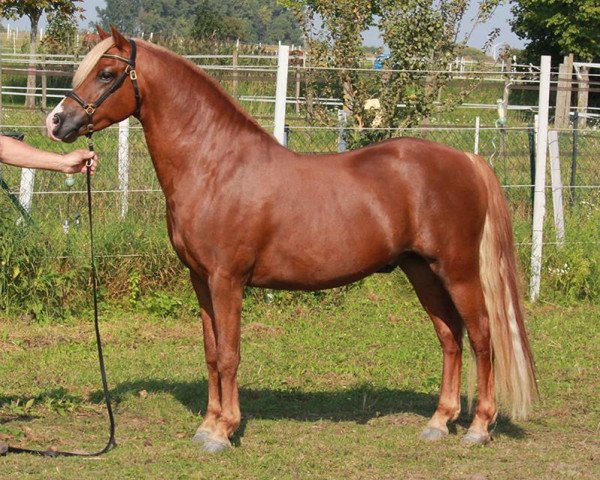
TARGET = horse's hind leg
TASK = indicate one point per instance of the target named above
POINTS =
(448, 326)
(466, 291)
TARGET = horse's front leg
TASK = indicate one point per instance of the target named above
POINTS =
(213, 410)
(221, 301)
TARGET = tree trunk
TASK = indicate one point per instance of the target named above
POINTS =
(31, 74)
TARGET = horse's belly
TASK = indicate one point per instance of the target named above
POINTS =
(325, 261)
(314, 280)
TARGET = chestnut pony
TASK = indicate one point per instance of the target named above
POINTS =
(243, 210)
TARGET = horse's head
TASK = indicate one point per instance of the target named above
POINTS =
(104, 90)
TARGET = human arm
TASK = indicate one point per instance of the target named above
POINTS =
(19, 154)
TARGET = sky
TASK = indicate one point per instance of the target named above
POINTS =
(479, 37)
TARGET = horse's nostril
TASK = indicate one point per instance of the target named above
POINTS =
(56, 119)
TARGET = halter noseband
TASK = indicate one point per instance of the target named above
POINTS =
(129, 71)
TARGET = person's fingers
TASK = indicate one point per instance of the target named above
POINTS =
(77, 161)
(92, 166)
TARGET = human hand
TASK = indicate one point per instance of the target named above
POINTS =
(76, 161)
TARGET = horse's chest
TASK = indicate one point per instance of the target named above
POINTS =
(197, 237)
(186, 241)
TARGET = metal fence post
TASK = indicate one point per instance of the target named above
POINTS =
(281, 93)
(555, 178)
(1, 83)
(476, 147)
(539, 199)
(342, 121)
(124, 165)
(531, 138)
(574, 154)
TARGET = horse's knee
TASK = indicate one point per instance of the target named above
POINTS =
(212, 364)
(228, 363)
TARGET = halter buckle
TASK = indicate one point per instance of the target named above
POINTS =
(89, 109)
(132, 74)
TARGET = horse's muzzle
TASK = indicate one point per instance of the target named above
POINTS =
(62, 127)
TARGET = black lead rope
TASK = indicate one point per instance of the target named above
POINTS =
(111, 440)
(90, 108)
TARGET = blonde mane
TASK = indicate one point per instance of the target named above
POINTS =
(90, 61)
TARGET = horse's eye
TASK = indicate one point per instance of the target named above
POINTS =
(105, 76)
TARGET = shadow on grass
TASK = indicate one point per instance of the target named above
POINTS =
(359, 403)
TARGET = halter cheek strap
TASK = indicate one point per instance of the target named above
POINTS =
(129, 71)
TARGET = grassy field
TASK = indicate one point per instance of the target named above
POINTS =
(333, 385)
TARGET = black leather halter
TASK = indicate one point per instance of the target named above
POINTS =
(129, 71)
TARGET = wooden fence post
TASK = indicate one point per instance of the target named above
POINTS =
(123, 165)
(235, 61)
(583, 91)
(26, 188)
(539, 199)
(281, 93)
(298, 90)
(44, 82)
(563, 94)
(477, 128)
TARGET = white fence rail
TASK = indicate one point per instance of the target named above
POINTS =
(494, 147)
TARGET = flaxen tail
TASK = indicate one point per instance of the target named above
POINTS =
(513, 362)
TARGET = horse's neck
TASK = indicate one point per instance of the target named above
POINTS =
(188, 120)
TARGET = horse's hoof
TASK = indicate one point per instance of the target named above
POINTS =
(201, 436)
(431, 434)
(3, 448)
(212, 445)
(474, 438)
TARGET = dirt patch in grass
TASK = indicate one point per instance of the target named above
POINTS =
(260, 329)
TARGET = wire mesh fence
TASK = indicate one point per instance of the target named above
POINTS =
(510, 151)
(130, 207)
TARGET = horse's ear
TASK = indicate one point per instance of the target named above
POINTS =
(103, 33)
(120, 40)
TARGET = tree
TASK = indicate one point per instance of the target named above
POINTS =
(60, 33)
(210, 24)
(207, 22)
(421, 35)
(247, 20)
(34, 9)
(253, 20)
(167, 16)
(123, 14)
(558, 28)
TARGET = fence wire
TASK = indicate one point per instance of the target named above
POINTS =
(131, 223)
(509, 151)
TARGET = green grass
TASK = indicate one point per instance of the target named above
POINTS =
(333, 385)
